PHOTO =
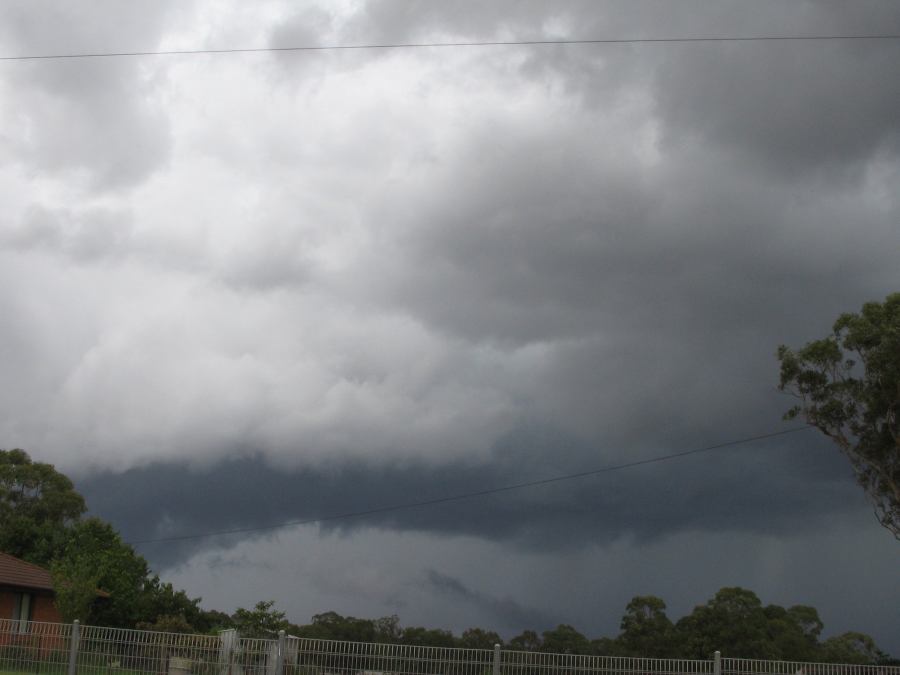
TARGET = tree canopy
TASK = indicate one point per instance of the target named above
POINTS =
(848, 386)
(37, 505)
(41, 521)
(263, 621)
(734, 621)
(646, 629)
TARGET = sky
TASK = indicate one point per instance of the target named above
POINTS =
(254, 288)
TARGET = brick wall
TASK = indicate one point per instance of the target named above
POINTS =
(42, 606)
(44, 609)
(7, 604)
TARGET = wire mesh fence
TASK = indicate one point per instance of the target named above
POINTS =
(70, 649)
(732, 666)
(136, 651)
(540, 663)
(320, 657)
(34, 647)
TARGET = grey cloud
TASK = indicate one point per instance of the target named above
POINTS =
(536, 240)
(83, 235)
(100, 234)
(91, 120)
(793, 106)
(274, 263)
(789, 106)
(505, 611)
(107, 141)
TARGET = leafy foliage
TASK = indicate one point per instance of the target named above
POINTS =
(478, 638)
(526, 641)
(41, 521)
(564, 639)
(852, 647)
(37, 505)
(646, 630)
(119, 571)
(849, 388)
(167, 605)
(263, 621)
(168, 623)
(427, 637)
(75, 585)
(734, 621)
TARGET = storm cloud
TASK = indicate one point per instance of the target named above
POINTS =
(246, 289)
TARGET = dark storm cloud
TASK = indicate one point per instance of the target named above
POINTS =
(769, 486)
(504, 610)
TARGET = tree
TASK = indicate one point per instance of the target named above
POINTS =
(526, 641)
(849, 388)
(41, 521)
(564, 639)
(646, 630)
(333, 626)
(167, 623)
(216, 620)
(478, 638)
(852, 647)
(118, 570)
(793, 632)
(387, 629)
(75, 587)
(37, 505)
(733, 621)
(807, 618)
(263, 621)
(163, 605)
(604, 646)
(427, 637)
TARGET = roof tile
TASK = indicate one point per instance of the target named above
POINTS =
(16, 572)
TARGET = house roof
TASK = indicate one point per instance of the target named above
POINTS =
(16, 572)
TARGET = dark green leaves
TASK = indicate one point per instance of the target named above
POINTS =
(848, 386)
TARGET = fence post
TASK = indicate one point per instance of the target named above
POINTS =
(279, 658)
(717, 663)
(73, 646)
(497, 659)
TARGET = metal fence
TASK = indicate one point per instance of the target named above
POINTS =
(70, 649)
(732, 666)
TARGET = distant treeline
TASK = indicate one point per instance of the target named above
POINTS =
(734, 622)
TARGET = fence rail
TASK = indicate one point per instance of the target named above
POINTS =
(70, 649)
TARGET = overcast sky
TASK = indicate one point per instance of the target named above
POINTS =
(242, 289)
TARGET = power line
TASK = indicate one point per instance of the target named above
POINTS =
(486, 43)
(470, 495)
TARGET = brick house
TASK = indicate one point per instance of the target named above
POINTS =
(26, 592)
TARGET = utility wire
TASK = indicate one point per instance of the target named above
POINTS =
(486, 43)
(470, 495)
